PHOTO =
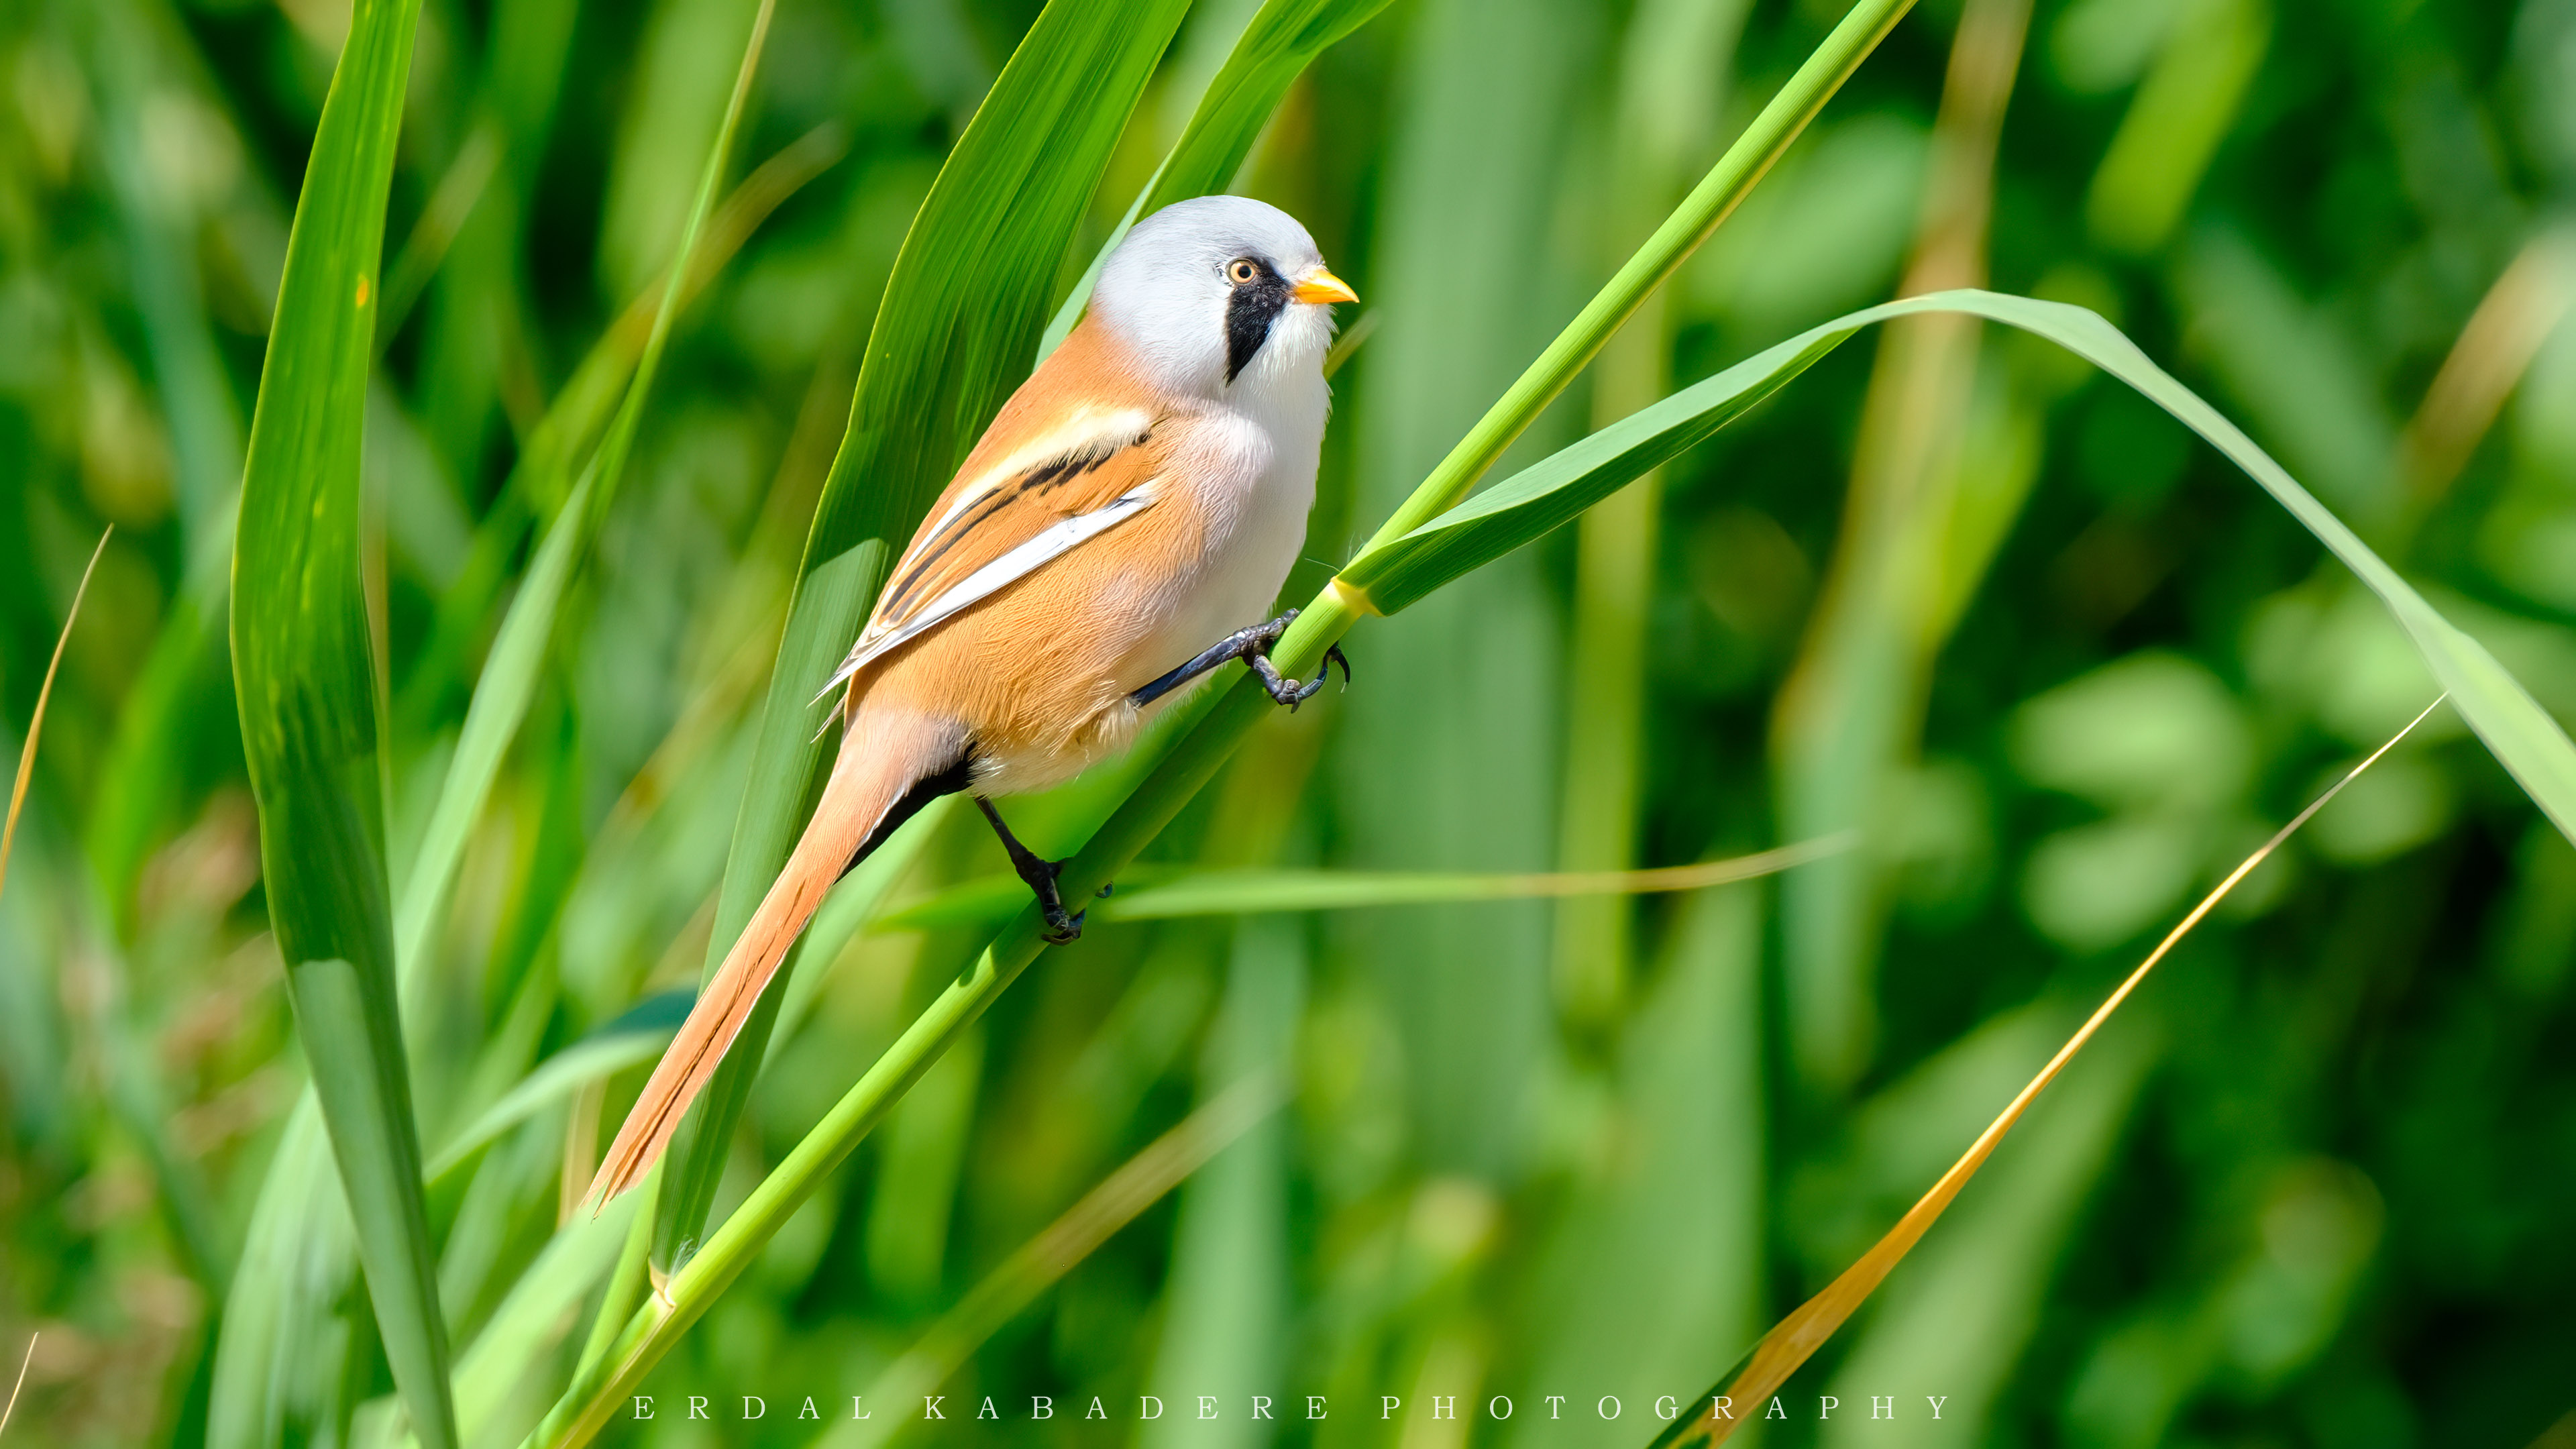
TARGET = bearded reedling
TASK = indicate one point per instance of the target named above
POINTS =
(1143, 493)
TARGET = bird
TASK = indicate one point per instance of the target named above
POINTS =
(1138, 500)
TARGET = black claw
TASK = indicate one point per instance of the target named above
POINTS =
(1333, 655)
(1061, 927)
(1105, 890)
(1283, 690)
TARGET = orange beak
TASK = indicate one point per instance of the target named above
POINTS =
(1322, 286)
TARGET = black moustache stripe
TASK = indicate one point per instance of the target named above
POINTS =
(1249, 315)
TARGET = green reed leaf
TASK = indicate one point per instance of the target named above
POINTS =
(1399, 571)
(532, 1322)
(280, 1347)
(305, 681)
(558, 1077)
(1160, 896)
(1540, 499)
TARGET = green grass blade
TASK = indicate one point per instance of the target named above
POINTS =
(531, 1323)
(1393, 574)
(1547, 495)
(561, 1075)
(1152, 897)
(303, 672)
(512, 674)
(963, 313)
(261, 1337)
(283, 1342)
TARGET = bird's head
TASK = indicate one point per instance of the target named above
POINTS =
(1218, 294)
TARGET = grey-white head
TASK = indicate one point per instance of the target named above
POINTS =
(1220, 294)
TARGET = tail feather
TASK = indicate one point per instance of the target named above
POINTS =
(887, 770)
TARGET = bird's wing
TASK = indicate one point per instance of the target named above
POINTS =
(998, 524)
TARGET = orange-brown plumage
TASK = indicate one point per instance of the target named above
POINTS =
(1140, 496)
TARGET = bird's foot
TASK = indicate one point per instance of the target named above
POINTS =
(1289, 692)
(1061, 927)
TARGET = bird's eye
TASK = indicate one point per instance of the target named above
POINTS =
(1241, 271)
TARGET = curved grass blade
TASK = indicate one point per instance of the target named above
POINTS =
(963, 312)
(991, 901)
(304, 678)
(532, 1321)
(36, 717)
(29, 1357)
(1391, 576)
(561, 1075)
(1799, 1335)
(1396, 572)
(282, 1340)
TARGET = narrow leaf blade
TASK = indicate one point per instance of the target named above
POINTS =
(1152, 896)
(304, 679)
(1526, 506)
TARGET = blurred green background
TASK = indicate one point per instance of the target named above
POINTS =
(2057, 664)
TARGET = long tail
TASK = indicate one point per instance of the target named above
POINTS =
(889, 767)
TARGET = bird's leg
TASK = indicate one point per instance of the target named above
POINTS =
(1252, 646)
(1241, 644)
(1041, 876)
